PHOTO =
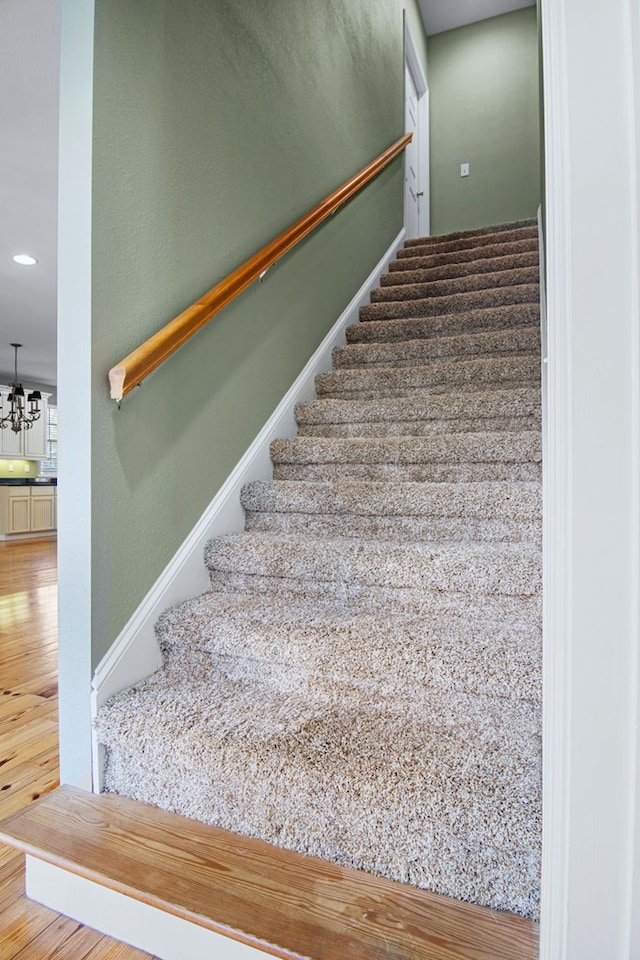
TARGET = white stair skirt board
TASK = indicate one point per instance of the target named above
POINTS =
(135, 653)
(123, 918)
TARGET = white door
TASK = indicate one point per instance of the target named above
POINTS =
(411, 158)
(416, 156)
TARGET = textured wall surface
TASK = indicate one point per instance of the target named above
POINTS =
(484, 93)
(215, 126)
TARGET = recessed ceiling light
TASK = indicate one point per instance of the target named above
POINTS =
(25, 259)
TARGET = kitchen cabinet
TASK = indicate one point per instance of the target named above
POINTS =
(27, 444)
(27, 510)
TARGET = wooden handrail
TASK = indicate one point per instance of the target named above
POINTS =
(131, 371)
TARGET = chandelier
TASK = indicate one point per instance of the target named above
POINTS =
(23, 411)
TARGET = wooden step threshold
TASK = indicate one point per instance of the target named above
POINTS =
(273, 901)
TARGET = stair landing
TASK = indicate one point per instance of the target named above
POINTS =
(283, 903)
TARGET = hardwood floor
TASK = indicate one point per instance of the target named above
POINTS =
(29, 751)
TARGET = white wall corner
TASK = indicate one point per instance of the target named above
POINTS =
(633, 30)
(591, 879)
(135, 654)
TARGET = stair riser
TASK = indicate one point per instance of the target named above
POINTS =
(415, 259)
(457, 303)
(417, 428)
(419, 472)
(432, 660)
(441, 288)
(508, 227)
(443, 406)
(525, 340)
(490, 265)
(431, 669)
(469, 449)
(420, 529)
(406, 500)
(463, 375)
(392, 600)
(470, 243)
(413, 568)
(474, 321)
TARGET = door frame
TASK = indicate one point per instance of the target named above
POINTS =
(591, 685)
(413, 63)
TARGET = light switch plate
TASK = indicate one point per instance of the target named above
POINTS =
(464, 169)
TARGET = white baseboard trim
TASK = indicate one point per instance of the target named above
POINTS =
(39, 535)
(138, 924)
(135, 654)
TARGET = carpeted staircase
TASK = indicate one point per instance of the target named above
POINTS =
(363, 680)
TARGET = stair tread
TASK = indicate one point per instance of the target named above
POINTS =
(324, 639)
(317, 758)
(422, 256)
(447, 243)
(511, 569)
(416, 289)
(463, 372)
(490, 265)
(452, 303)
(444, 405)
(481, 343)
(370, 498)
(480, 446)
(472, 321)
(261, 895)
(505, 227)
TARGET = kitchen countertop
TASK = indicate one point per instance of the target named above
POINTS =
(28, 481)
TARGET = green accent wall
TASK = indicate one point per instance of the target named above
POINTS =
(19, 471)
(215, 125)
(484, 97)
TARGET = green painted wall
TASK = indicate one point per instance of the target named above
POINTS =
(214, 126)
(18, 468)
(484, 94)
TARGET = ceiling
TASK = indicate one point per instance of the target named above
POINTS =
(29, 66)
(441, 15)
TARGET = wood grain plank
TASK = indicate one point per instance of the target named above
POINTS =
(29, 762)
(11, 880)
(63, 939)
(20, 923)
(112, 950)
(276, 900)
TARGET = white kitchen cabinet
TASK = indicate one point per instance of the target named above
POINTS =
(19, 513)
(43, 508)
(35, 440)
(27, 510)
(27, 444)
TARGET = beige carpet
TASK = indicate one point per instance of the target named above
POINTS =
(362, 682)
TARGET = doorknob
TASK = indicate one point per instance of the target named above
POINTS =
(420, 193)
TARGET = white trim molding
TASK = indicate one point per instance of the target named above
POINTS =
(590, 906)
(135, 653)
(138, 924)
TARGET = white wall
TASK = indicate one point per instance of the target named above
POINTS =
(74, 391)
(592, 485)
